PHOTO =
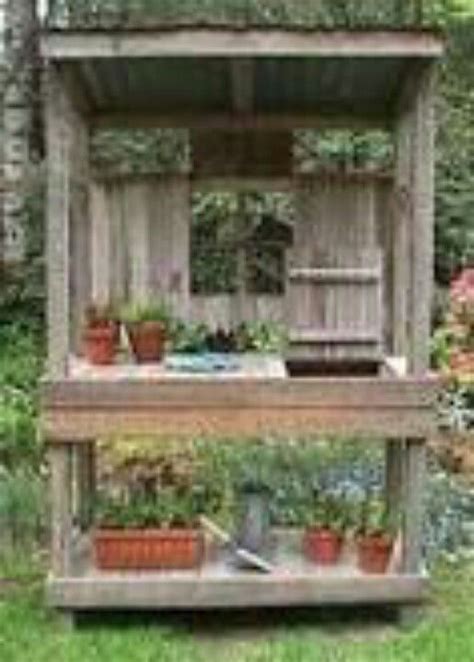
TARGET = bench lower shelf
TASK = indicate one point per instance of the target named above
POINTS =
(220, 585)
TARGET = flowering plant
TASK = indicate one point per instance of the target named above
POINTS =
(461, 326)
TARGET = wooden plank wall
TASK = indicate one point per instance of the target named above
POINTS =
(344, 224)
(221, 311)
(140, 240)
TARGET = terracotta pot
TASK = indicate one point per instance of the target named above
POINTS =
(374, 553)
(147, 340)
(99, 344)
(148, 549)
(322, 546)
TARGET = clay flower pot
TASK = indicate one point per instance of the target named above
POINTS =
(99, 344)
(322, 546)
(148, 549)
(147, 340)
(374, 553)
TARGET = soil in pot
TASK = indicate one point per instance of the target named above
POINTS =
(374, 554)
(322, 546)
(148, 341)
(148, 549)
(99, 344)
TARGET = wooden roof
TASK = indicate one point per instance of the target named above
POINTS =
(201, 76)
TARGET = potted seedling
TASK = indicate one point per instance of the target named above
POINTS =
(99, 337)
(221, 341)
(324, 534)
(375, 536)
(147, 327)
(260, 337)
(189, 338)
(153, 532)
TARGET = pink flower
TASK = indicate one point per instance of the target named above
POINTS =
(462, 287)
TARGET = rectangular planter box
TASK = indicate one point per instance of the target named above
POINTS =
(148, 549)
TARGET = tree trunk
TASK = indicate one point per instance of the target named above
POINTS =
(17, 104)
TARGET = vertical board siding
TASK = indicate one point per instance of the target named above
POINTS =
(80, 255)
(100, 244)
(141, 249)
(220, 310)
(140, 240)
(339, 226)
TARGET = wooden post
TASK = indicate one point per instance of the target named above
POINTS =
(80, 225)
(413, 489)
(400, 226)
(84, 482)
(394, 454)
(241, 229)
(61, 508)
(58, 147)
(413, 231)
(422, 230)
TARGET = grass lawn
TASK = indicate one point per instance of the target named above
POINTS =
(31, 633)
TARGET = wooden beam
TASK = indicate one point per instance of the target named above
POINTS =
(58, 151)
(201, 591)
(60, 457)
(414, 476)
(236, 121)
(366, 406)
(76, 89)
(233, 393)
(394, 467)
(210, 184)
(411, 79)
(331, 337)
(206, 42)
(401, 221)
(335, 275)
(421, 230)
(233, 423)
(80, 287)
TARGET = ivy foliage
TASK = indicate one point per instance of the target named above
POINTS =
(455, 155)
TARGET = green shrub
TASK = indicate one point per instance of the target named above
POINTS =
(22, 507)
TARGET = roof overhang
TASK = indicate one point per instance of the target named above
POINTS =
(273, 78)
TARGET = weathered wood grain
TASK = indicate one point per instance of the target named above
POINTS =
(58, 152)
(60, 458)
(135, 591)
(205, 42)
(80, 424)
(335, 285)
(422, 238)
(413, 492)
(254, 393)
(376, 407)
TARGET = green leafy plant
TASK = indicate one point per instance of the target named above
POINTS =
(23, 507)
(135, 313)
(261, 337)
(375, 518)
(328, 511)
(167, 508)
(189, 338)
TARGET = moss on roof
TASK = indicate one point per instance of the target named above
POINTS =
(244, 13)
